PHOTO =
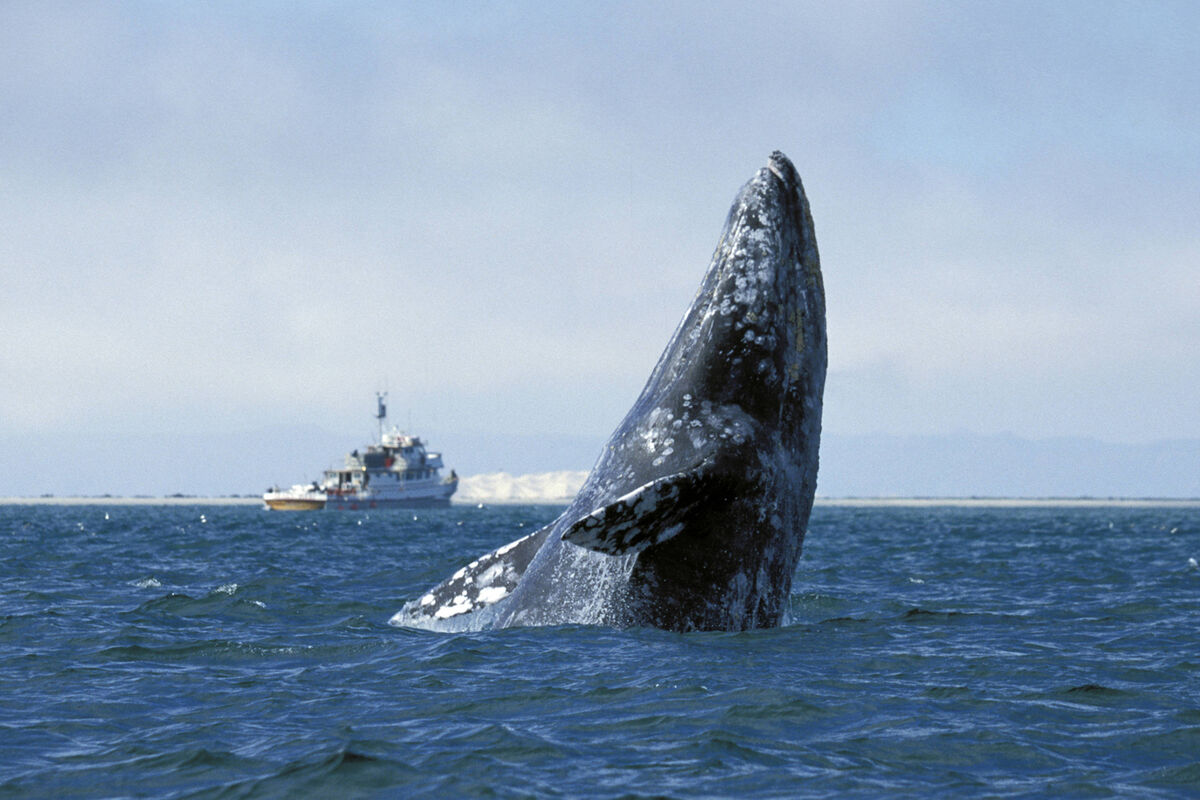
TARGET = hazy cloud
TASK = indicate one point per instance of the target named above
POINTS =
(212, 216)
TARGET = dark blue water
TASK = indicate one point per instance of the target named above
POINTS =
(228, 652)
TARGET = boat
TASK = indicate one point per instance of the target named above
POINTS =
(396, 472)
(297, 498)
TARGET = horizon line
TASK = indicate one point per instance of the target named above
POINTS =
(1082, 501)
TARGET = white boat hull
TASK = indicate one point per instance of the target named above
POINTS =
(298, 498)
(413, 494)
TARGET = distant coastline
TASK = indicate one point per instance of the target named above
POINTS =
(832, 502)
(1012, 502)
(138, 500)
(868, 466)
(559, 488)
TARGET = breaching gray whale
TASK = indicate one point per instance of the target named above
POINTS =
(693, 517)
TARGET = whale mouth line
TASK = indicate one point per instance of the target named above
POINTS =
(774, 169)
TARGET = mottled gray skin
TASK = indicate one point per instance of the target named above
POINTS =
(694, 515)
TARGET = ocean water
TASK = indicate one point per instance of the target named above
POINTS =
(228, 652)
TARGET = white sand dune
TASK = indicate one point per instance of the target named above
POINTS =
(501, 487)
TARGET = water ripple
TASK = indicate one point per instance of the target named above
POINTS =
(225, 652)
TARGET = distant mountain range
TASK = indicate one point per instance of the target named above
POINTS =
(965, 465)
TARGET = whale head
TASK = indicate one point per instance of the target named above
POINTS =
(753, 339)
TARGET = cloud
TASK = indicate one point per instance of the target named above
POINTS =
(214, 216)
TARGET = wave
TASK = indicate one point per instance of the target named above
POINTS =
(345, 772)
(220, 602)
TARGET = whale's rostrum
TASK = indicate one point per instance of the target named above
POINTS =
(695, 512)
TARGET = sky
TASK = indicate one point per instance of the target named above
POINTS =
(223, 216)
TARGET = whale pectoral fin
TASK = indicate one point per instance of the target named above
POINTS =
(649, 515)
(483, 582)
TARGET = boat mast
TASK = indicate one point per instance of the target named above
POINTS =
(381, 412)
